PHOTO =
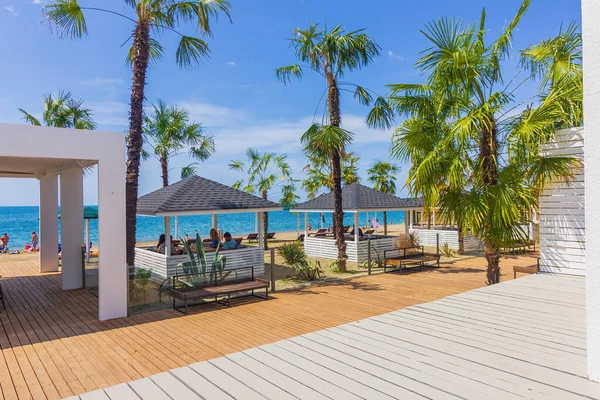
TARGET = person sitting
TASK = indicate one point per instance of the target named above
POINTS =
(360, 232)
(4, 240)
(214, 238)
(161, 245)
(229, 243)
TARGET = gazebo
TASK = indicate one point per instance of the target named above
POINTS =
(200, 196)
(356, 198)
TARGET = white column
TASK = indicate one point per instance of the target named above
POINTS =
(176, 228)
(259, 217)
(48, 234)
(167, 221)
(257, 224)
(71, 227)
(112, 262)
(215, 221)
(591, 104)
(87, 240)
(305, 224)
(356, 228)
(406, 221)
(411, 218)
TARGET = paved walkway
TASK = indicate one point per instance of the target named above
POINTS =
(52, 345)
(520, 339)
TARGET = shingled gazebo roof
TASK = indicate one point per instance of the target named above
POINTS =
(357, 197)
(197, 195)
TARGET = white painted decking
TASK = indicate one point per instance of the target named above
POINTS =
(520, 339)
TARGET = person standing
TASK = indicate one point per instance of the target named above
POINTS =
(34, 241)
(4, 239)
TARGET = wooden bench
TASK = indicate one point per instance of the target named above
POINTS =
(526, 269)
(409, 257)
(196, 286)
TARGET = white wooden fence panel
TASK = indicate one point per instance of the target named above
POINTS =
(326, 248)
(428, 238)
(562, 206)
(163, 266)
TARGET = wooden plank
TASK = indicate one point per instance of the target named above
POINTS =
(95, 395)
(121, 392)
(200, 384)
(173, 386)
(148, 390)
(225, 381)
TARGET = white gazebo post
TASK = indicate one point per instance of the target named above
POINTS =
(167, 236)
(591, 103)
(87, 240)
(305, 224)
(214, 221)
(406, 218)
(261, 234)
(48, 233)
(356, 228)
(176, 227)
(411, 218)
(71, 227)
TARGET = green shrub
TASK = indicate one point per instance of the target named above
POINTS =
(447, 251)
(293, 253)
(308, 271)
(142, 276)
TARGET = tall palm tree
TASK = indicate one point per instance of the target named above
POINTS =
(62, 111)
(331, 53)
(169, 132)
(266, 171)
(382, 175)
(151, 20)
(490, 160)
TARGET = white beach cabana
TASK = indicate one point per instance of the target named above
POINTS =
(200, 196)
(356, 198)
(50, 154)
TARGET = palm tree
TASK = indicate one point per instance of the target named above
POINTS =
(265, 171)
(331, 53)
(151, 20)
(170, 133)
(489, 160)
(62, 111)
(382, 175)
(320, 176)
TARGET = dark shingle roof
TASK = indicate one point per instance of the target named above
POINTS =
(360, 197)
(201, 195)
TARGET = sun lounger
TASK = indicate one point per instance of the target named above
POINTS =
(319, 233)
(300, 238)
(271, 235)
(252, 237)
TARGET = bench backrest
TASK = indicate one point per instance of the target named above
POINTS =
(404, 252)
(213, 278)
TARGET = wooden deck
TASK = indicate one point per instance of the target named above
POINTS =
(520, 339)
(53, 346)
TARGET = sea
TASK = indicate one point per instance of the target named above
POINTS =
(19, 222)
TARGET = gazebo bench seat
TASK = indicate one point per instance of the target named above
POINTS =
(410, 260)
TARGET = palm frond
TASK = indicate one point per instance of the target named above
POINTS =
(191, 51)
(285, 74)
(67, 17)
(29, 118)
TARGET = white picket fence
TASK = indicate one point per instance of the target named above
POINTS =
(562, 208)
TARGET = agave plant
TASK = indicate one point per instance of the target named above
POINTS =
(196, 268)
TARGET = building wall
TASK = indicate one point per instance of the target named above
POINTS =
(562, 209)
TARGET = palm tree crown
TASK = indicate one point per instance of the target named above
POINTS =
(170, 132)
(62, 111)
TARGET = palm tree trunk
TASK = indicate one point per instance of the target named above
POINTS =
(141, 51)
(164, 166)
(265, 224)
(385, 222)
(335, 119)
(461, 239)
(488, 150)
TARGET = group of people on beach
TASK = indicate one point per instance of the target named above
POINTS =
(229, 243)
(4, 239)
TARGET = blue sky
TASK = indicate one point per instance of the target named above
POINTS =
(235, 94)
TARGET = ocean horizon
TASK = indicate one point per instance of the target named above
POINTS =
(19, 221)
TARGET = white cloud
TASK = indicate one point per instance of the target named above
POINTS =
(99, 81)
(393, 56)
(211, 115)
(11, 9)
(37, 2)
(231, 63)
(113, 113)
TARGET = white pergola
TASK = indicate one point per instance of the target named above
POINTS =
(46, 154)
